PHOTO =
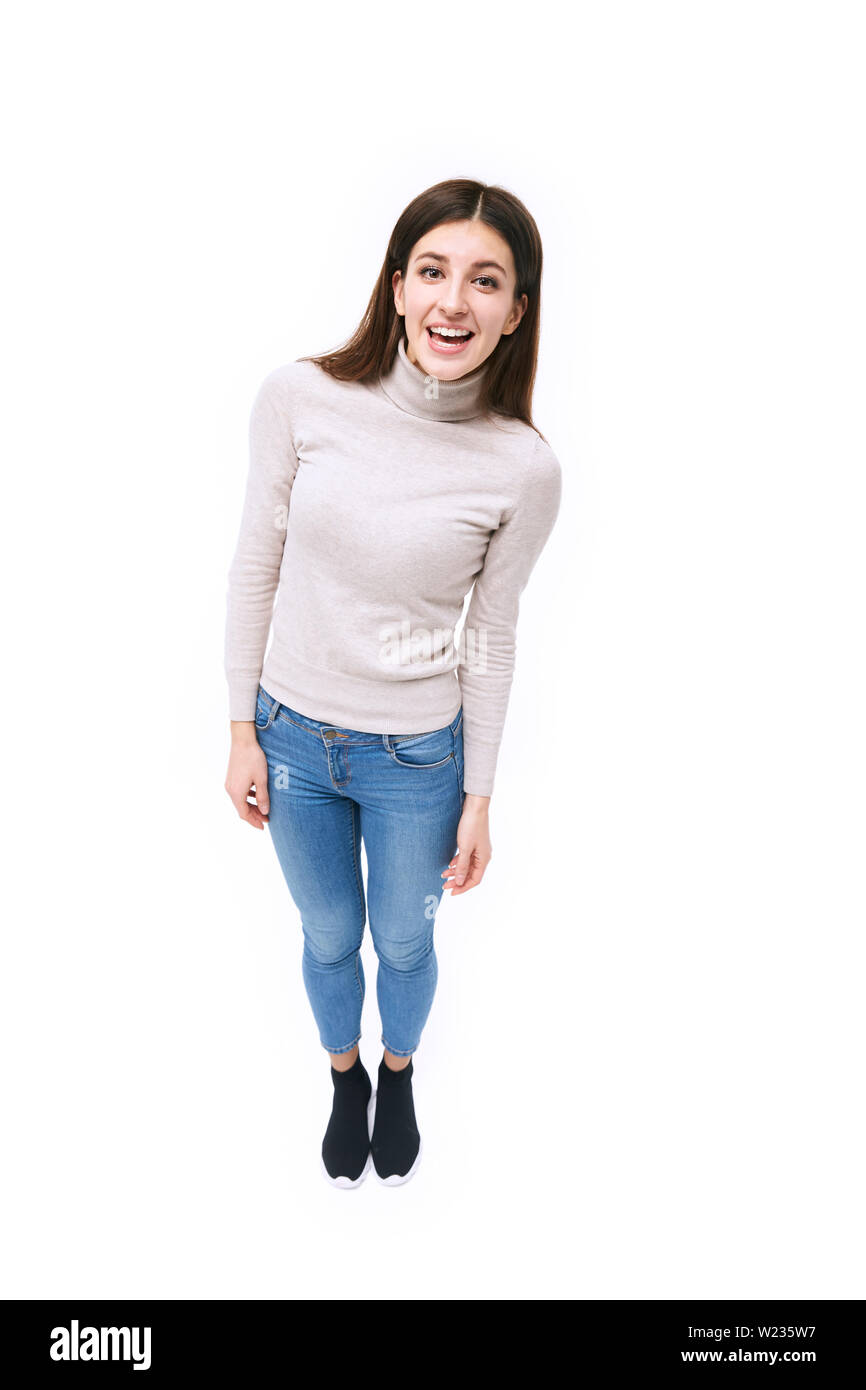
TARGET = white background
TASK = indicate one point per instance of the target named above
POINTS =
(642, 1076)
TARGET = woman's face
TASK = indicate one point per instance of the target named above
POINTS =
(460, 275)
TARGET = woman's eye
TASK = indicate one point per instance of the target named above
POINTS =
(493, 284)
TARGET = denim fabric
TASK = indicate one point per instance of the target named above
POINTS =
(331, 788)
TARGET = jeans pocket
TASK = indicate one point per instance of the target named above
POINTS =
(422, 750)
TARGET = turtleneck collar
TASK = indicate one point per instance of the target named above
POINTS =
(431, 398)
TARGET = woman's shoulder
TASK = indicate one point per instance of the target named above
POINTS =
(288, 376)
(292, 385)
(527, 445)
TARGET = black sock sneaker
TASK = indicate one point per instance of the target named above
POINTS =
(346, 1145)
(395, 1143)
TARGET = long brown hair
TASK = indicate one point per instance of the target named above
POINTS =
(510, 377)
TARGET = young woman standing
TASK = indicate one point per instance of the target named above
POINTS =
(385, 479)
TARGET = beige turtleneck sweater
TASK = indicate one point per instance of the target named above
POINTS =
(370, 509)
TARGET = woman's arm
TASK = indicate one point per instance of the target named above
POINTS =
(489, 644)
(253, 581)
(489, 638)
(254, 574)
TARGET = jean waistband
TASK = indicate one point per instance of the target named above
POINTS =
(317, 726)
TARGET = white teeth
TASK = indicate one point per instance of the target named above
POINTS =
(452, 332)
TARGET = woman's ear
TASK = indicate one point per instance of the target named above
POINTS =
(397, 286)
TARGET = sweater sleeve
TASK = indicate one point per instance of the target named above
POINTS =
(488, 648)
(254, 573)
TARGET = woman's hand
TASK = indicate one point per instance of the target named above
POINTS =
(473, 847)
(247, 776)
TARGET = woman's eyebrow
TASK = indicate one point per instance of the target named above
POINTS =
(476, 265)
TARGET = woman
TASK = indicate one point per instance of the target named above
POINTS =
(384, 479)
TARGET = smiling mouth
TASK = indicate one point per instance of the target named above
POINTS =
(450, 339)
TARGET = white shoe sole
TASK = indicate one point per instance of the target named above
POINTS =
(355, 1182)
(396, 1179)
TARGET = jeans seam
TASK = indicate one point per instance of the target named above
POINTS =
(355, 813)
(460, 791)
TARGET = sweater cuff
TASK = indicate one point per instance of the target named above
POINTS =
(243, 698)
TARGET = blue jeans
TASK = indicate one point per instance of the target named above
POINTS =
(402, 795)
